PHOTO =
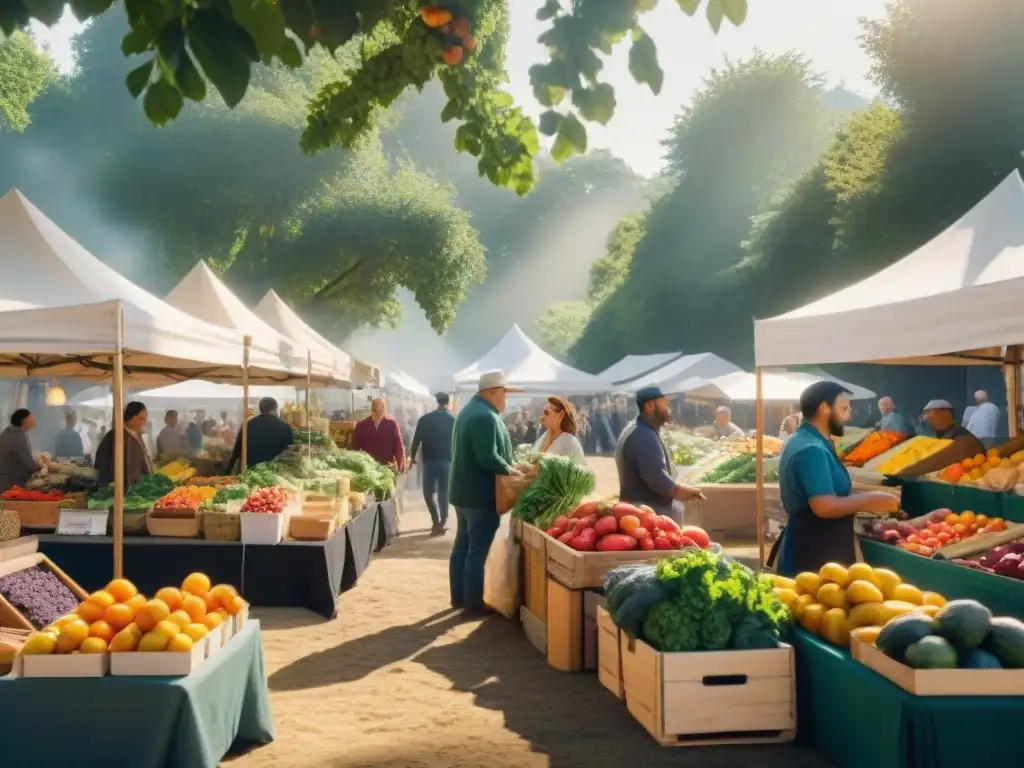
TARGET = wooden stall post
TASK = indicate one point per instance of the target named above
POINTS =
(247, 344)
(309, 380)
(1011, 374)
(118, 426)
(759, 426)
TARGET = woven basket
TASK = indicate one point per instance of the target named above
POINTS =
(222, 526)
(11, 529)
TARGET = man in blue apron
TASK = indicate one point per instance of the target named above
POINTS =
(815, 487)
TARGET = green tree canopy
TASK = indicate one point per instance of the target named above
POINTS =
(24, 72)
(400, 44)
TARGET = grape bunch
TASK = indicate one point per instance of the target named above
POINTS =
(38, 595)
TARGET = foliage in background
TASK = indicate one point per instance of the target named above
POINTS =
(24, 72)
(401, 44)
(559, 326)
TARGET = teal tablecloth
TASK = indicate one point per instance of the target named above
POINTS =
(919, 497)
(142, 722)
(861, 720)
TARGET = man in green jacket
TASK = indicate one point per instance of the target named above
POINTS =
(481, 450)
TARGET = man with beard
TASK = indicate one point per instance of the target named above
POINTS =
(815, 487)
(646, 473)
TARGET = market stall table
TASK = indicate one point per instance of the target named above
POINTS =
(363, 533)
(174, 722)
(858, 718)
(389, 524)
(306, 574)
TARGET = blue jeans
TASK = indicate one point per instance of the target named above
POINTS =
(435, 490)
(473, 537)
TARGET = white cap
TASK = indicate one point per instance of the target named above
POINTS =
(938, 405)
(495, 380)
(723, 409)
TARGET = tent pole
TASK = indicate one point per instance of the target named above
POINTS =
(309, 378)
(247, 343)
(117, 424)
(1011, 374)
(759, 425)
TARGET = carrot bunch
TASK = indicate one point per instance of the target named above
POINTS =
(875, 444)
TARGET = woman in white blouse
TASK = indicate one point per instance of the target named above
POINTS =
(558, 420)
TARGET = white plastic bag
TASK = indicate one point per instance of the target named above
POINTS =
(501, 572)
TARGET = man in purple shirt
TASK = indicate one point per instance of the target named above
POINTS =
(379, 436)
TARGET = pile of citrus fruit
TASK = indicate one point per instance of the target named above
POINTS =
(119, 619)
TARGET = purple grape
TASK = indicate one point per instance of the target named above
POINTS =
(38, 595)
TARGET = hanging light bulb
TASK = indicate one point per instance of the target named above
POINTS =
(55, 396)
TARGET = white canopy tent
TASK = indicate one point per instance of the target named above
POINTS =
(705, 365)
(633, 366)
(63, 312)
(528, 366)
(403, 381)
(961, 292)
(197, 394)
(740, 386)
(275, 312)
(273, 357)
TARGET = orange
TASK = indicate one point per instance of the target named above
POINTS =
(170, 595)
(237, 603)
(180, 618)
(952, 519)
(968, 464)
(151, 613)
(211, 604)
(223, 612)
(196, 631)
(125, 641)
(71, 636)
(967, 518)
(981, 520)
(93, 645)
(629, 523)
(119, 615)
(196, 583)
(101, 630)
(91, 610)
(167, 628)
(180, 643)
(194, 606)
(153, 642)
(222, 593)
(122, 590)
(65, 619)
(213, 620)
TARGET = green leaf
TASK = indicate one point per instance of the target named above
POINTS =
(715, 14)
(46, 11)
(689, 7)
(643, 62)
(225, 63)
(572, 138)
(298, 16)
(162, 102)
(450, 111)
(597, 103)
(290, 54)
(86, 9)
(338, 22)
(136, 41)
(735, 11)
(139, 78)
(190, 82)
(550, 122)
(550, 10)
(264, 22)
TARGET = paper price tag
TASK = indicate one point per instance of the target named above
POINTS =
(82, 522)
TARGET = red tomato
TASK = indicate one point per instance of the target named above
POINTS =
(646, 544)
(697, 535)
(567, 537)
(606, 525)
(640, 533)
(662, 542)
(686, 541)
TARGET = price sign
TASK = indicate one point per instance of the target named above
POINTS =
(82, 522)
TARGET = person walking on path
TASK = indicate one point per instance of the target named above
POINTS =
(481, 451)
(434, 434)
(379, 435)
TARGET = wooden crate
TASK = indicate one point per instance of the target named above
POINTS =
(11, 616)
(940, 682)
(582, 570)
(609, 654)
(15, 548)
(535, 580)
(565, 627)
(592, 602)
(535, 629)
(710, 697)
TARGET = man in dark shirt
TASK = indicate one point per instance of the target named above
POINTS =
(434, 434)
(646, 473)
(267, 437)
(379, 435)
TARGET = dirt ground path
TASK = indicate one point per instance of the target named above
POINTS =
(398, 680)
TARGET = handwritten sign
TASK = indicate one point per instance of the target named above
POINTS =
(82, 522)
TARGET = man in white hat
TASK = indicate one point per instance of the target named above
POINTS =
(481, 450)
(938, 415)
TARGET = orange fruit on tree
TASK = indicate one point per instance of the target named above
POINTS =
(151, 613)
(213, 620)
(195, 583)
(222, 593)
(122, 590)
(194, 606)
(93, 645)
(170, 595)
(180, 618)
(181, 643)
(235, 606)
(100, 629)
(119, 615)
(452, 55)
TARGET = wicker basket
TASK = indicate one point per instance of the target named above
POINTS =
(10, 529)
(222, 526)
(174, 527)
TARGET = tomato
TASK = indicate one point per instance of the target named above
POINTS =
(697, 535)
(566, 537)
(586, 522)
(662, 542)
(561, 522)
(628, 523)
(606, 525)
(639, 533)
(667, 524)
(686, 541)
(646, 544)
(616, 542)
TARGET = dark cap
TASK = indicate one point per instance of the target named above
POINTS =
(820, 392)
(645, 395)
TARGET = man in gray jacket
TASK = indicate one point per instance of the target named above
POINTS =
(16, 463)
(646, 473)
